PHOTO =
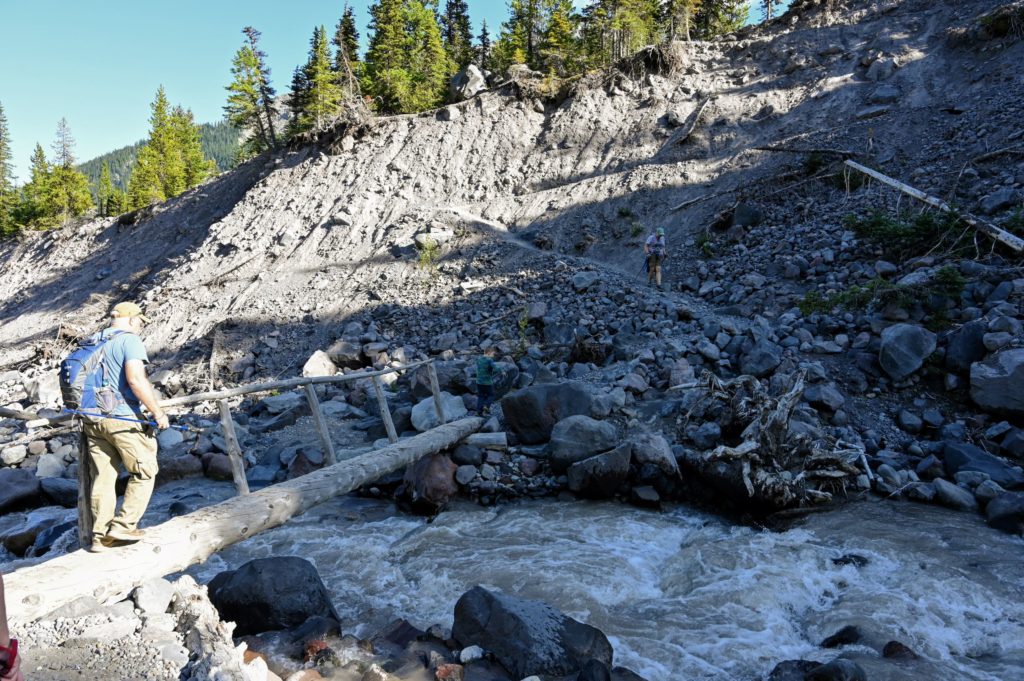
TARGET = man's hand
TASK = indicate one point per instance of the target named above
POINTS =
(161, 421)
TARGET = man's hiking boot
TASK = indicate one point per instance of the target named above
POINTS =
(124, 534)
(99, 545)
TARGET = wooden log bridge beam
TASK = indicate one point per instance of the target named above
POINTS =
(34, 591)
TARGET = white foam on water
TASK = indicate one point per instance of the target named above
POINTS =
(681, 594)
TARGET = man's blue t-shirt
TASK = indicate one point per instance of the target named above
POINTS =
(124, 347)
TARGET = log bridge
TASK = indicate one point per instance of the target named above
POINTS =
(110, 576)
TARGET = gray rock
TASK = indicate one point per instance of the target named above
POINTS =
(154, 596)
(44, 389)
(13, 455)
(909, 421)
(466, 455)
(747, 215)
(882, 69)
(654, 449)
(424, 414)
(884, 94)
(838, 669)
(276, 404)
(997, 384)
(581, 281)
(952, 496)
(1006, 512)
(762, 359)
(598, 477)
(61, 491)
(531, 413)
(344, 353)
(999, 200)
(579, 437)
(707, 436)
(960, 457)
(527, 637)
(467, 83)
(465, 474)
(319, 364)
(904, 349)
(824, 395)
(169, 438)
(987, 491)
(50, 466)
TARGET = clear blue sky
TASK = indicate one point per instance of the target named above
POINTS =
(98, 63)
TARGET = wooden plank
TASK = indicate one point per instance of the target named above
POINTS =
(435, 390)
(110, 576)
(385, 411)
(990, 230)
(321, 425)
(234, 450)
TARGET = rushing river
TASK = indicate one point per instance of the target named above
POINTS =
(682, 594)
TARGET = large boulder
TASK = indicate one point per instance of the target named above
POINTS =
(451, 377)
(654, 449)
(430, 482)
(966, 345)
(1006, 512)
(600, 476)
(960, 456)
(467, 83)
(762, 359)
(904, 349)
(527, 637)
(19, 488)
(531, 413)
(319, 364)
(270, 593)
(44, 389)
(345, 353)
(424, 414)
(997, 384)
(579, 437)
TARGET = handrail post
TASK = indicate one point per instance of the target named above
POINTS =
(234, 451)
(321, 424)
(385, 411)
(436, 391)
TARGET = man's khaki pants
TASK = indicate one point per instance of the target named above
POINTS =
(654, 268)
(112, 444)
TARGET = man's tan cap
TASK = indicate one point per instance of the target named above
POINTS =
(127, 309)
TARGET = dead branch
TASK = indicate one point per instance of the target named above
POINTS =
(693, 122)
(846, 153)
(1015, 150)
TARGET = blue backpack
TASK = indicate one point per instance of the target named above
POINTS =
(83, 380)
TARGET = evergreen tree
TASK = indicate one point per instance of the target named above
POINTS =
(483, 50)
(457, 33)
(718, 17)
(520, 35)
(323, 94)
(104, 190)
(346, 53)
(406, 67)
(190, 146)
(117, 203)
(768, 8)
(679, 17)
(298, 101)
(250, 105)
(67, 194)
(559, 49)
(35, 195)
(8, 195)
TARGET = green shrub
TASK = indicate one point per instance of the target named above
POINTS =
(902, 236)
(947, 283)
(636, 229)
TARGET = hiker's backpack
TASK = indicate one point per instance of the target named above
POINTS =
(83, 381)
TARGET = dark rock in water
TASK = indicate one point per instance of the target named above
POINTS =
(430, 483)
(898, 651)
(645, 496)
(997, 384)
(485, 670)
(853, 559)
(19, 489)
(577, 438)
(904, 349)
(837, 670)
(531, 413)
(624, 674)
(966, 345)
(527, 637)
(792, 670)
(396, 637)
(61, 491)
(600, 476)
(270, 593)
(45, 540)
(594, 670)
(1006, 512)
(845, 636)
(960, 456)
(953, 496)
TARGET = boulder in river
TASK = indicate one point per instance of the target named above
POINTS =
(531, 413)
(960, 456)
(837, 670)
(577, 438)
(527, 637)
(19, 488)
(270, 593)
(430, 482)
(600, 476)
(1006, 512)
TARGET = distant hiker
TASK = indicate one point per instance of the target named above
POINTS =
(112, 443)
(654, 249)
(10, 663)
(485, 368)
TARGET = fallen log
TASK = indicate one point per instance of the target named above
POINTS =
(989, 230)
(110, 576)
(693, 122)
